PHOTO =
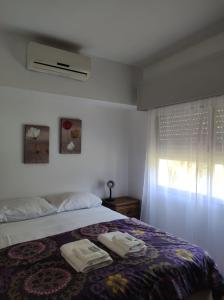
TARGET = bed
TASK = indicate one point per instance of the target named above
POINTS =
(31, 266)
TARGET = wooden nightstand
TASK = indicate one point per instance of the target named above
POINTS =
(125, 205)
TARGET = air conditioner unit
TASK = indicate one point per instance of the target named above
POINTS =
(50, 60)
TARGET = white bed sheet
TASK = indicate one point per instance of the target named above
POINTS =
(23, 231)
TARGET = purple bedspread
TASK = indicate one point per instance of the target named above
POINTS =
(170, 269)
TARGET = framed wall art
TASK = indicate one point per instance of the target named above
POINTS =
(36, 144)
(70, 136)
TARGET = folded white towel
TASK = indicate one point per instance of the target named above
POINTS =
(85, 256)
(107, 240)
(84, 268)
(127, 242)
(86, 251)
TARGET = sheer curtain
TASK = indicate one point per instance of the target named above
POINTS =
(184, 173)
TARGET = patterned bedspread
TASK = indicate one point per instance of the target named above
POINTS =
(170, 269)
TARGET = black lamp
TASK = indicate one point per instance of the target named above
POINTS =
(110, 185)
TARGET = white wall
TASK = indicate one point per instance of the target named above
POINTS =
(109, 81)
(105, 145)
(137, 152)
(113, 145)
(112, 128)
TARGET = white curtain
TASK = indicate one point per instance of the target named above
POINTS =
(184, 173)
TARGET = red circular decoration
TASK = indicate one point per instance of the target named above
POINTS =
(67, 125)
(26, 250)
(47, 281)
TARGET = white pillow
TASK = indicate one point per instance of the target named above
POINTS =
(74, 200)
(24, 208)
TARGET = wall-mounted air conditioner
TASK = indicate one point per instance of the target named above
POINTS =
(50, 60)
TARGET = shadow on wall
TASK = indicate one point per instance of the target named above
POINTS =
(21, 38)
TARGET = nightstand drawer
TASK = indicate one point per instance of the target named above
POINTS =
(127, 206)
(130, 211)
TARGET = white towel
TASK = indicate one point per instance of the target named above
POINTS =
(80, 267)
(127, 242)
(107, 240)
(86, 251)
(85, 256)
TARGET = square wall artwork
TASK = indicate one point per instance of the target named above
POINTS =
(70, 136)
(36, 144)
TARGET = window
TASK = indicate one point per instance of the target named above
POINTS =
(182, 175)
(190, 149)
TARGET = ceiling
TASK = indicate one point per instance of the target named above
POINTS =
(127, 31)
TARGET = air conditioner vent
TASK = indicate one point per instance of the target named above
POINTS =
(58, 62)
